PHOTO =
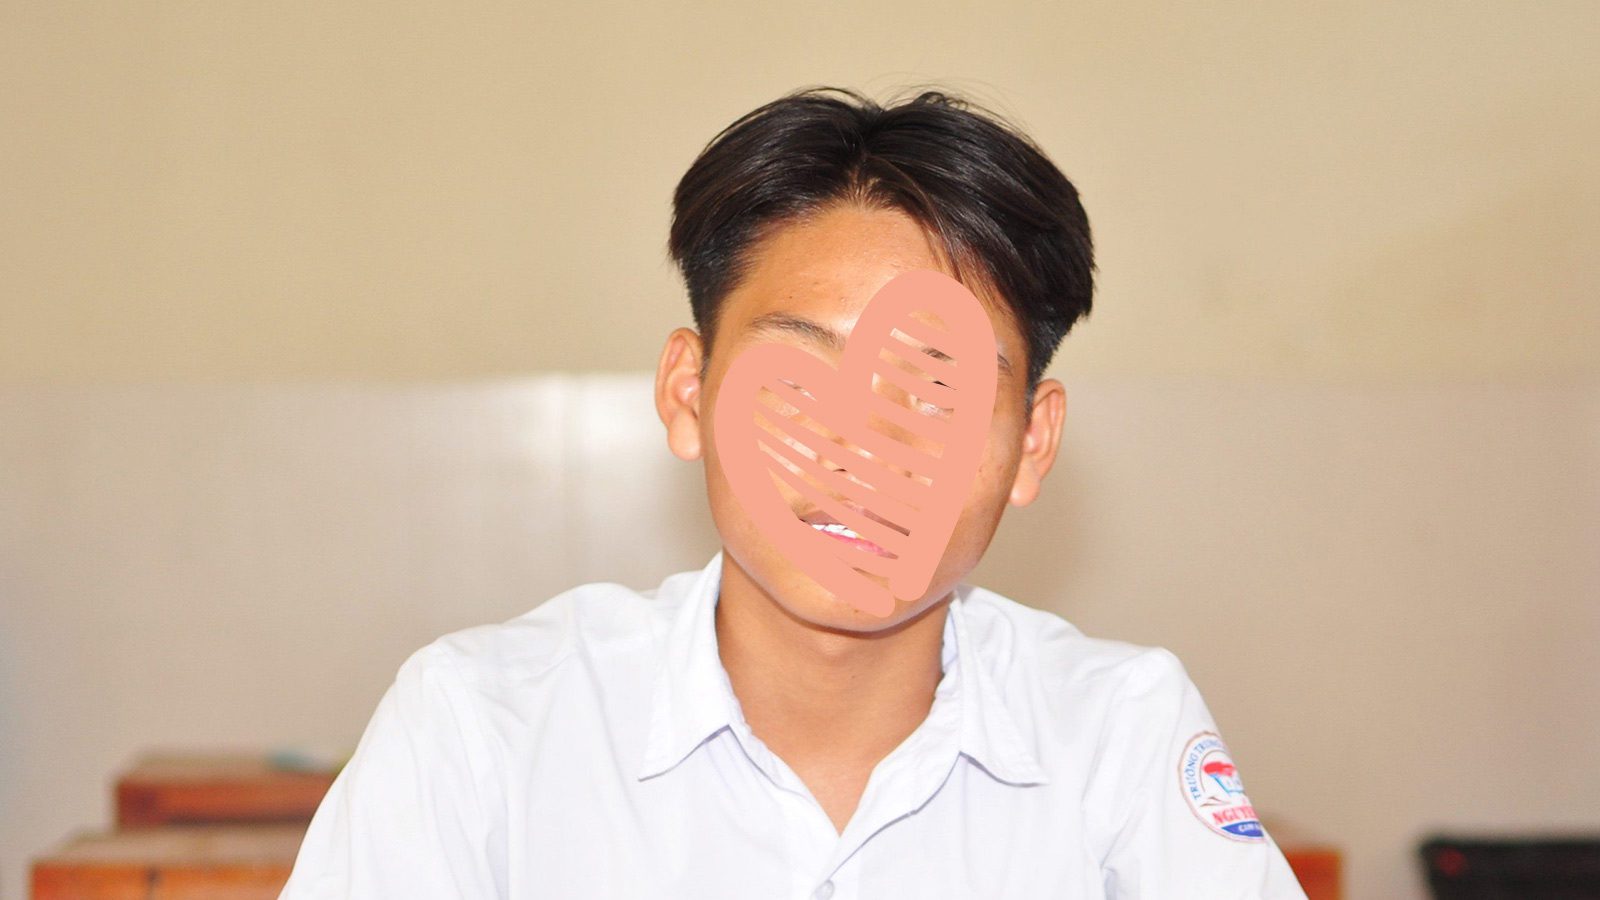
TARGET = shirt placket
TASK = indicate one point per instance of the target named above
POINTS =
(900, 793)
(809, 833)
(900, 785)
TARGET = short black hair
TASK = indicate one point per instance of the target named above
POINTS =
(997, 205)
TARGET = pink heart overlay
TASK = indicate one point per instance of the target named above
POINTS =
(945, 448)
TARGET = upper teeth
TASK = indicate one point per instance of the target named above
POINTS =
(836, 528)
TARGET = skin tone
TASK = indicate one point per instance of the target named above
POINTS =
(830, 689)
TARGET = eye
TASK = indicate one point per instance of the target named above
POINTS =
(789, 408)
(803, 391)
(929, 407)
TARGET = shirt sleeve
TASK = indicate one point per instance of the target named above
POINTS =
(408, 815)
(1177, 819)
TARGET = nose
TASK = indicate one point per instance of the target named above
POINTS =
(837, 458)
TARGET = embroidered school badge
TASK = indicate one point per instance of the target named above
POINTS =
(1212, 788)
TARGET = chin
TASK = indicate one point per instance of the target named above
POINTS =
(805, 600)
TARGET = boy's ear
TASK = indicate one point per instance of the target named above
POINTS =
(678, 392)
(1040, 442)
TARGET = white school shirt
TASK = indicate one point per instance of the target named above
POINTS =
(593, 748)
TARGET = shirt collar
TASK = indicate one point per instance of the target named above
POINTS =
(693, 698)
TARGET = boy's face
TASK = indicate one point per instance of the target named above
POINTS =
(825, 270)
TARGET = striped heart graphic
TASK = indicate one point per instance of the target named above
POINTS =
(886, 446)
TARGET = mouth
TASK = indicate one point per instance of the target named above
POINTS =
(826, 524)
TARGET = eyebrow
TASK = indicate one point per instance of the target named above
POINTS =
(818, 333)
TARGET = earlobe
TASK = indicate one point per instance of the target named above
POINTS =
(683, 437)
(1025, 488)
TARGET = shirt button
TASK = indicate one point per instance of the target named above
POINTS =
(824, 891)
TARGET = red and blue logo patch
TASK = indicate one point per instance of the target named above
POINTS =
(1213, 790)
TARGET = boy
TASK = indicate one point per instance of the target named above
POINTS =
(741, 732)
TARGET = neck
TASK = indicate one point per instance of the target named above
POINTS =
(811, 692)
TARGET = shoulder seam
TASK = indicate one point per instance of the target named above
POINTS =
(564, 649)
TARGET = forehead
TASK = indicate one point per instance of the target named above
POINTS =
(825, 270)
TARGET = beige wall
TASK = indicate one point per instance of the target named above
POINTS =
(1339, 190)
(1334, 429)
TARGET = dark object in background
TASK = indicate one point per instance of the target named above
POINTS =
(1513, 868)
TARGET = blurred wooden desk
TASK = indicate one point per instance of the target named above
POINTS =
(192, 862)
(193, 789)
(219, 826)
(1318, 869)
